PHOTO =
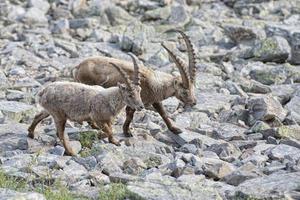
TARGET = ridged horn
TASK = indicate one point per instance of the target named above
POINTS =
(124, 75)
(180, 65)
(191, 55)
(137, 78)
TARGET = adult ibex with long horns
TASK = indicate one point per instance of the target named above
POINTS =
(156, 85)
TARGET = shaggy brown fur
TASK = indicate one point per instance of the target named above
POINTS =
(79, 102)
(156, 86)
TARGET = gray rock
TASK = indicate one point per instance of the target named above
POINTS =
(118, 16)
(213, 168)
(7, 194)
(281, 151)
(109, 163)
(295, 53)
(88, 162)
(191, 120)
(179, 17)
(275, 186)
(35, 16)
(273, 49)
(181, 189)
(228, 132)
(162, 13)
(255, 136)
(271, 140)
(122, 178)
(3, 80)
(243, 173)
(136, 36)
(74, 172)
(270, 75)
(57, 150)
(189, 136)
(291, 142)
(134, 166)
(67, 46)
(259, 126)
(265, 108)
(275, 166)
(82, 23)
(43, 5)
(239, 33)
(97, 177)
(61, 26)
(224, 150)
(294, 107)
(16, 111)
(189, 148)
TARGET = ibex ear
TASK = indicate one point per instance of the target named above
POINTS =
(121, 86)
(175, 83)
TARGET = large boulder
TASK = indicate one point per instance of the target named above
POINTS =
(275, 186)
(265, 108)
(273, 49)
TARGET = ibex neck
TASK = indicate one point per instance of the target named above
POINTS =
(165, 85)
(116, 101)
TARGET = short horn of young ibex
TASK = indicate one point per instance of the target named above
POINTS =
(94, 104)
(156, 85)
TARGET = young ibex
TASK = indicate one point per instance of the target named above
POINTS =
(156, 85)
(94, 104)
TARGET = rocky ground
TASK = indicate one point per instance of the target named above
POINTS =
(242, 139)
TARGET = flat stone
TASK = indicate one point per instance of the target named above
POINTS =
(172, 189)
(273, 49)
(7, 194)
(275, 186)
(188, 136)
(16, 111)
(281, 151)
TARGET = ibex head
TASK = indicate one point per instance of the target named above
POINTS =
(131, 90)
(184, 84)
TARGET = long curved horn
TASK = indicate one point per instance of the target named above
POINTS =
(124, 75)
(180, 65)
(137, 78)
(191, 55)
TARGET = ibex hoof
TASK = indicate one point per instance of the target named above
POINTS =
(128, 134)
(30, 134)
(115, 142)
(175, 130)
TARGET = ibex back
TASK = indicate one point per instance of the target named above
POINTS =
(156, 85)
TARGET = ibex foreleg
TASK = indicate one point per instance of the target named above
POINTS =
(160, 109)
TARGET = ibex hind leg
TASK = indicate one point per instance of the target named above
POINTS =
(37, 119)
(159, 108)
(129, 117)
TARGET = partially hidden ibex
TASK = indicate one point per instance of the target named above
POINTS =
(94, 104)
(156, 85)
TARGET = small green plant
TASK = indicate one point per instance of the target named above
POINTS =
(11, 182)
(87, 138)
(117, 191)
